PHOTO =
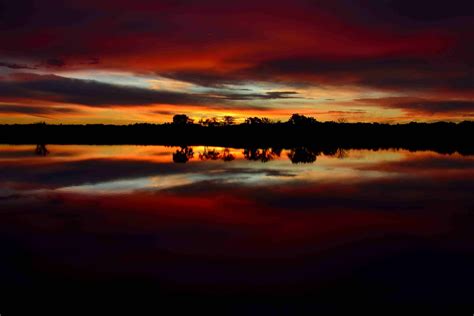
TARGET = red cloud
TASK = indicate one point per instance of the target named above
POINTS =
(380, 46)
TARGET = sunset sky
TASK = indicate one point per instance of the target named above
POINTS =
(121, 62)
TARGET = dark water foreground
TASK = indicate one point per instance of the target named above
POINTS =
(235, 231)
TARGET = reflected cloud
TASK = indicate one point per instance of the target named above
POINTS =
(126, 169)
(41, 150)
(239, 224)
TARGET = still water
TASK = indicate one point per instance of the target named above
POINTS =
(387, 226)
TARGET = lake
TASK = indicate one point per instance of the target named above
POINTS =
(281, 228)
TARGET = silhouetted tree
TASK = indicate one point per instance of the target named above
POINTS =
(183, 155)
(301, 120)
(210, 122)
(257, 120)
(228, 120)
(182, 119)
(41, 150)
(302, 155)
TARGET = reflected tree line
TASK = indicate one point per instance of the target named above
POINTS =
(296, 155)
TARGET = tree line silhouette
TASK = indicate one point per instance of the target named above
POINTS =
(255, 132)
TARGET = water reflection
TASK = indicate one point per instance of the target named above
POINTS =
(41, 150)
(302, 155)
(263, 155)
(227, 155)
(390, 224)
(183, 154)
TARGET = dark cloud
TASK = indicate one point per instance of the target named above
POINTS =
(35, 110)
(261, 96)
(418, 105)
(51, 63)
(380, 45)
(206, 78)
(453, 73)
(385, 73)
(55, 62)
(347, 112)
(16, 66)
(95, 93)
(426, 10)
(439, 106)
(92, 93)
(92, 61)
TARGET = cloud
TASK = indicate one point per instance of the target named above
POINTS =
(15, 66)
(261, 96)
(36, 110)
(395, 73)
(92, 93)
(99, 94)
(397, 47)
(55, 62)
(420, 105)
(205, 78)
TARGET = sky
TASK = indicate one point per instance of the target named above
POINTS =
(122, 62)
